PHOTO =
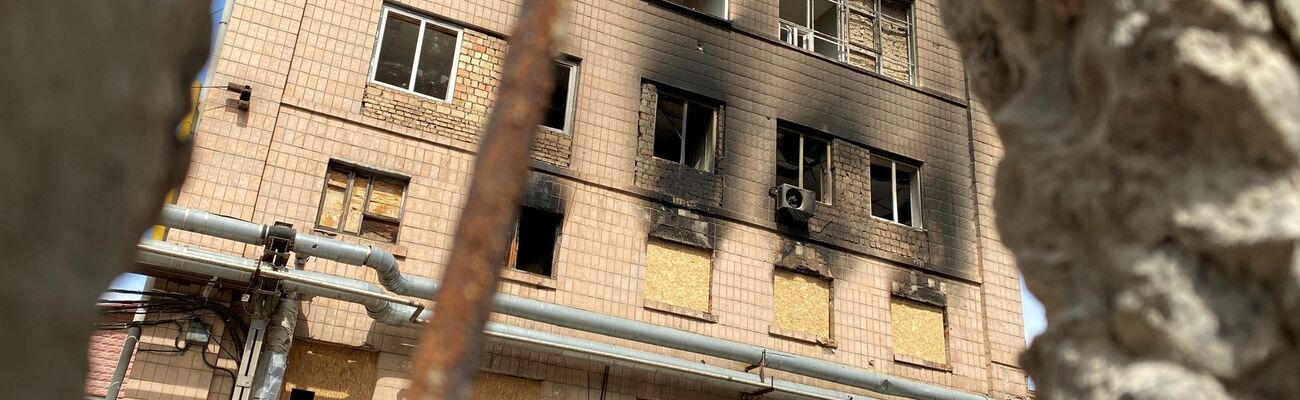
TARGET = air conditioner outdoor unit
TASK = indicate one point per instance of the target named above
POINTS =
(798, 204)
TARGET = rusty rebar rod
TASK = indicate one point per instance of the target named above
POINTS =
(452, 345)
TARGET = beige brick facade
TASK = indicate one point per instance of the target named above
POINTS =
(309, 63)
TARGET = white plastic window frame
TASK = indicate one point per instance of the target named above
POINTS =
(894, 166)
(569, 102)
(805, 37)
(419, 43)
(830, 163)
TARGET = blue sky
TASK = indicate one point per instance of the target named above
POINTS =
(1035, 320)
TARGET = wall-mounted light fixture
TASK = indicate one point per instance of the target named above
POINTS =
(245, 94)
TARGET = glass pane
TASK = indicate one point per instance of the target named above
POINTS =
(795, 11)
(826, 18)
(336, 186)
(557, 113)
(816, 167)
(826, 46)
(397, 52)
(436, 56)
(905, 181)
(715, 7)
(360, 185)
(378, 229)
(787, 158)
(699, 136)
(386, 198)
(668, 128)
(882, 199)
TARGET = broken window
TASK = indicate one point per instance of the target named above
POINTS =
(361, 203)
(895, 192)
(802, 303)
(717, 8)
(533, 247)
(804, 161)
(416, 54)
(876, 35)
(679, 275)
(685, 130)
(919, 331)
(559, 113)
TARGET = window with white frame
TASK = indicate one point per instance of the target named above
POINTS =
(717, 8)
(559, 115)
(417, 54)
(804, 161)
(876, 35)
(685, 130)
(895, 191)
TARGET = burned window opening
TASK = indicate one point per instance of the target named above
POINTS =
(804, 161)
(559, 114)
(536, 235)
(685, 131)
(895, 192)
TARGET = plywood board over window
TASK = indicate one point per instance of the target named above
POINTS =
(802, 303)
(324, 372)
(918, 332)
(678, 275)
(490, 386)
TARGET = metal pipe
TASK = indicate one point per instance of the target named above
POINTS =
(383, 311)
(123, 361)
(269, 379)
(391, 277)
(188, 219)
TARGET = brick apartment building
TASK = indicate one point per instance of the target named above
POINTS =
(650, 198)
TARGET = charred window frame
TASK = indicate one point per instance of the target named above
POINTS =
(559, 114)
(716, 8)
(895, 191)
(352, 191)
(534, 243)
(685, 129)
(804, 160)
(432, 42)
(852, 32)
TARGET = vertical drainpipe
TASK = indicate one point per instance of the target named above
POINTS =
(123, 361)
(275, 350)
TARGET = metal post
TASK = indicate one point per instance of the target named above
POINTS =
(123, 361)
(248, 359)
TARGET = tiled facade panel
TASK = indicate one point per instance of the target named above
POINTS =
(309, 63)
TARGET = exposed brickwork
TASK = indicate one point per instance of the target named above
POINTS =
(685, 184)
(105, 349)
(309, 62)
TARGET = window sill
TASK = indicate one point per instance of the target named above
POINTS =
(410, 92)
(542, 282)
(909, 360)
(878, 219)
(395, 249)
(801, 337)
(680, 311)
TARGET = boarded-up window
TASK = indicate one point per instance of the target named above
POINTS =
(880, 36)
(802, 303)
(679, 275)
(361, 203)
(323, 372)
(918, 331)
(490, 386)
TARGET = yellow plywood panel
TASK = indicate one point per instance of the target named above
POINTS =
(678, 275)
(331, 372)
(386, 198)
(360, 187)
(490, 386)
(802, 303)
(336, 184)
(918, 331)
